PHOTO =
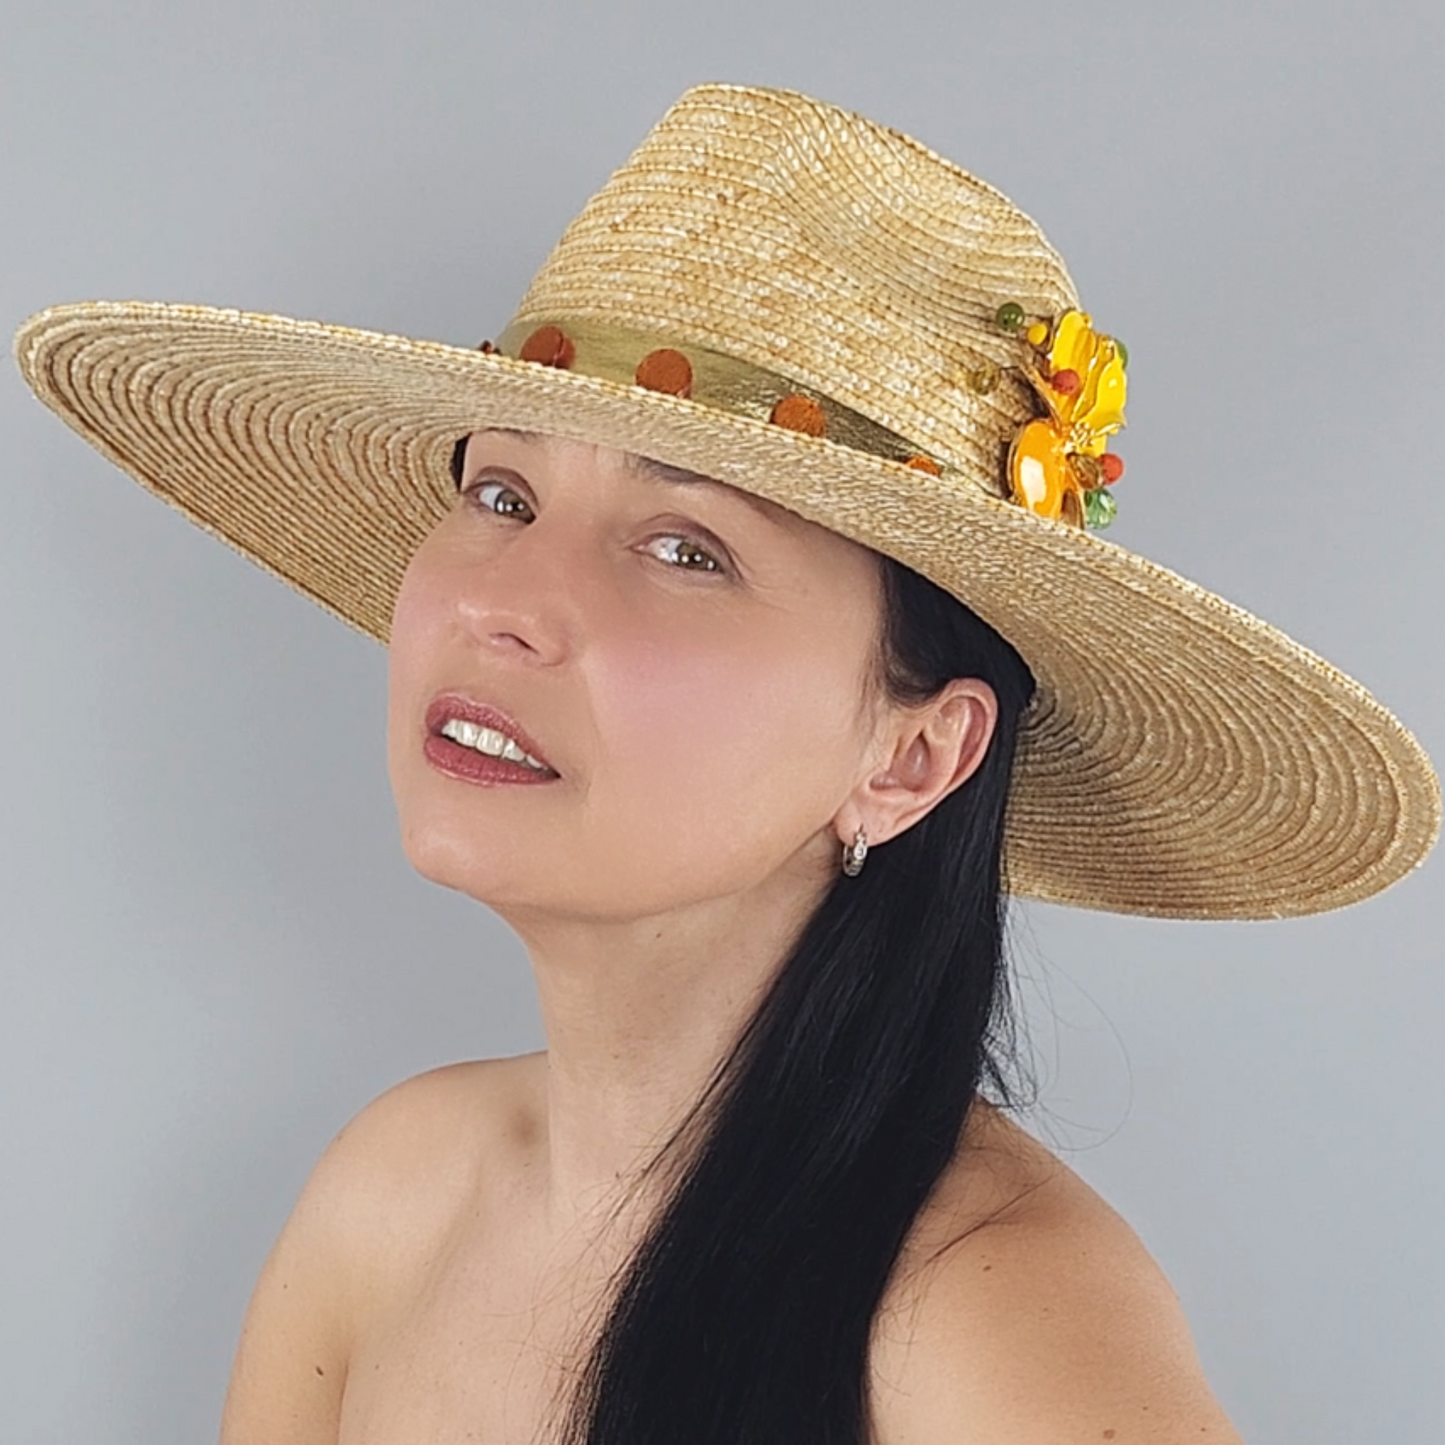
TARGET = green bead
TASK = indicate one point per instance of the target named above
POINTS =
(1123, 353)
(983, 378)
(1100, 508)
(1010, 316)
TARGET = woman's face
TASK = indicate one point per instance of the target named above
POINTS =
(689, 660)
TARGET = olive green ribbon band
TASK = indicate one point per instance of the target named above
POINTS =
(713, 379)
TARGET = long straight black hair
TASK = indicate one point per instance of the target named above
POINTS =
(744, 1317)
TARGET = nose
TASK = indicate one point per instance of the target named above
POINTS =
(526, 594)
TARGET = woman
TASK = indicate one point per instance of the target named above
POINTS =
(764, 543)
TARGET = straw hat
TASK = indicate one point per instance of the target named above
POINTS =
(815, 308)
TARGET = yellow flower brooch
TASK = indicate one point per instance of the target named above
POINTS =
(1057, 464)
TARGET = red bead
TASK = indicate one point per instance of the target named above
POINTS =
(549, 346)
(1066, 382)
(924, 464)
(1111, 467)
(665, 370)
(800, 413)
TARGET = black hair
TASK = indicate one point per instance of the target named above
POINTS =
(744, 1316)
(459, 459)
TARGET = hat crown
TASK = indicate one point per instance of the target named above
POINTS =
(817, 244)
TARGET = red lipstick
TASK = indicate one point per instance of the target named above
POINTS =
(467, 764)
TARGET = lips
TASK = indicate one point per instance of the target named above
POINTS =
(454, 705)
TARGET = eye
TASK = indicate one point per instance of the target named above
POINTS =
(688, 548)
(683, 552)
(473, 495)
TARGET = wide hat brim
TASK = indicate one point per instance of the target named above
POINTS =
(1182, 758)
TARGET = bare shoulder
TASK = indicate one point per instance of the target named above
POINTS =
(378, 1204)
(397, 1176)
(1027, 1310)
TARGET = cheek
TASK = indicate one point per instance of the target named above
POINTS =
(753, 735)
(412, 617)
(416, 625)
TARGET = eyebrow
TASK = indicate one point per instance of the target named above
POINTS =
(665, 472)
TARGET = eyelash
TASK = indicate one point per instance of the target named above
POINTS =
(472, 492)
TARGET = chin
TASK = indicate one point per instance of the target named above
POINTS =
(471, 855)
(445, 840)
(448, 858)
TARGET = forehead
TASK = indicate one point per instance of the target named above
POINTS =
(649, 469)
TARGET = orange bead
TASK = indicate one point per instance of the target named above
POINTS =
(1111, 468)
(665, 370)
(924, 464)
(549, 346)
(800, 413)
(1066, 382)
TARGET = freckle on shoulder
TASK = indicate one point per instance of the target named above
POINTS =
(999, 1175)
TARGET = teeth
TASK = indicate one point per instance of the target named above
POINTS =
(489, 741)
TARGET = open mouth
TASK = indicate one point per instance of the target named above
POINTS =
(476, 741)
(491, 742)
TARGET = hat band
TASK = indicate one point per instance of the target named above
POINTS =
(709, 378)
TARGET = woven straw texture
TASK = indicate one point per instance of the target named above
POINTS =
(1183, 758)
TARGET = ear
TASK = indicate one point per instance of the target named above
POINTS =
(924, 753)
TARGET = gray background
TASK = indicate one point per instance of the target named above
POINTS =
(213, 950)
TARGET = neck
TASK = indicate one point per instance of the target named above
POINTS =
(638, 1016)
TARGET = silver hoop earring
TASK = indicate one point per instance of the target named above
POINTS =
(854, 854)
